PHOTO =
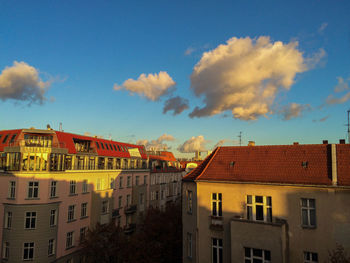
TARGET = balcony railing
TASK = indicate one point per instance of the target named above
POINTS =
(129, 228)
(115, 213)
(130, 209)
(216, 223)
(44, 144)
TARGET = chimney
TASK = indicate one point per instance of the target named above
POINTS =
(251, 143)
(334, 164)
(325, 142)
(295, 143)
(342, 141)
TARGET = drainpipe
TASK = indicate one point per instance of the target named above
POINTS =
(334, 165)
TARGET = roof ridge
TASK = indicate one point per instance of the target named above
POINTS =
(209, 162)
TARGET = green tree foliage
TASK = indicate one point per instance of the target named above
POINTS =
(157, 239)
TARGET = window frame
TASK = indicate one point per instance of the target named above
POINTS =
(251, 256)
(219, 250)
(216, 204)
(71, 213)
(83, 210)
(33, 190)
(309, 210)
(70, 239)
(30, 218)
(251, 208)
(8, 219)
(30, 247)
(310, 254)
(53, 189)
(72, 187)
(51, 247)
(12, 190)
(53, 218)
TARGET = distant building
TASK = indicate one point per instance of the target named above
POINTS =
(55, 185)
(286, 203)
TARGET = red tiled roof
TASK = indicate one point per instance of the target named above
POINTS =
(164, 156)
(275, 164)
(10, 133)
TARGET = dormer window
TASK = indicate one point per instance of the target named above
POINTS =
(305, 164)
(232, 164)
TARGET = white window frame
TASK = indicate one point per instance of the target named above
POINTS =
(216, 246)
(6, 250)
(105, 207)
(71, 213)
(30, 216)
(51, 247)
(8, 220)
(53, 217)
(33, 189)
(12, 190)
(189, 201)
(308, 257)
(189, 245)
(53, 189)
(252, 205)
(72, 187)
(70, 239)
(216, 202)
(83, 210)
(29, 246)
(309, 210)
(251, 257)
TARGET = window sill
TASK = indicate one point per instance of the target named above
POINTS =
(67, 248)
(53, 197)
(308, 227)
(53, 226)
(29, 229)
(70, 221)
(32, 198)
(72, 194)
(83, 217)
(84, 193)
(11, 198)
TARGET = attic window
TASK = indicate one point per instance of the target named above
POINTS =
(232, 164)
(118, 147)
(13, 138)
(5, 139)
(98, 146)
(102, 146)
(305, 164)
(115, 149)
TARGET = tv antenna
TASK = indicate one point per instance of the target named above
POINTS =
(240, 137)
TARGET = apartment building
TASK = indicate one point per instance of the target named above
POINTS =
(54, 186)
(285, 203)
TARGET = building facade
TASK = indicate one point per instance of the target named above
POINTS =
(287, 203)
(56, 185)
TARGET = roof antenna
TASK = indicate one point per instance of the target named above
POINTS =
(60, 129)
(240, 138)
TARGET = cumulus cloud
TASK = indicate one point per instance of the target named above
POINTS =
(193, 144)
(245, 75)
(158, 144)
(316, 59)
(341, 86)
(22, 82)
(321, 120)
(294, 110)
(176, 104)
(151, 86)
(322, 28)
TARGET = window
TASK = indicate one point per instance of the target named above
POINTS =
(98, 146)
(12, 189)
(5, 138)
(137, 181)
(217, 256)
(128, 200)
(30, 220)
(259, 208)
(69, 240)
(105, 207)
(308, 212)
(28, 251)
(83, 211)
(53, 217)
(310, 257)
(128, 182)
(142, 199)
(252, 255)
(120, 198)
(72, 187)
(189, 202)
(157, 195)
(53, 188)
(189, 245)
(82, 233)
(216, 207)
(33, 189)
(51, 247)
(6, 250)
(145, 180)
(71, 212)
(121, 182)
(8, 220)
(85, 186)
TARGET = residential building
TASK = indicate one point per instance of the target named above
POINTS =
(284, 203)
(55, 185)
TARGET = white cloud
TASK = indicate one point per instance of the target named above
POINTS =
(158, 144)
(176, 104)
(151, 86)
(322, 28)
(193, 144)
(189, 51)
(22, 82)
(341, 86)
(293, 110)
(245, 75)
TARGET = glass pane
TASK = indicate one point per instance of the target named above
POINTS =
(220, 255)
(220, 209)
(259, 199)
(306, 256)
(303, 202)
(249, 199)
(313, 217)
(220, 242)
(214, 196)
(269, 215)
(215, 256)
(255, 260)
(247, 252)
(267, 255)
(215, 242)
(249, 213)
(259, 212)
(268, 201)
(214, 209)
(312, 203)
(314, 257)
(304, 217)
(220, 196)
(257, 252)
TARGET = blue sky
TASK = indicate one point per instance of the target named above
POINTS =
(81, 49)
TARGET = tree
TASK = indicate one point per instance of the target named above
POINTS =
(338, 255)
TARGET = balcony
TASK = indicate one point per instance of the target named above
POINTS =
(130, 228)
(37, 143)
(216, 223)
(130, 209)
(115, 213)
